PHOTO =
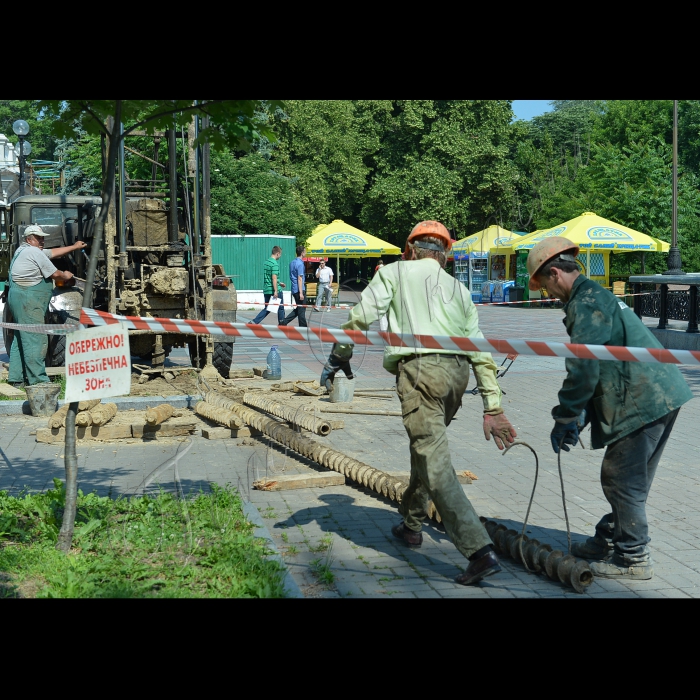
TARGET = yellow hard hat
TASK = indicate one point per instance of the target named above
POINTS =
(545, 251)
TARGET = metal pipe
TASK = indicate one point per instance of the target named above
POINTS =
(674, 254)
(674, 207)
(122, 198)
(360, 411)
(293, 414)
(375, 479)
(195, 190)
(21, 166)
(537, 557)
(172, 179)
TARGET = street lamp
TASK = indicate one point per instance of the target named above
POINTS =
(21, 128)
(674, 254)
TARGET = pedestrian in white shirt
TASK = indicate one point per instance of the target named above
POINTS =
(324, 274)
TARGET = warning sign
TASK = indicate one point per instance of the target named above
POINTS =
(98, 363)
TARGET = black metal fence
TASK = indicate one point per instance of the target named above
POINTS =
(677, 305)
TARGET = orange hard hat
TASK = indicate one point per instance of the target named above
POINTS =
(428, 228)
(546, 250)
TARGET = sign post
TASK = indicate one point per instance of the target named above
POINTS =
(98, 363)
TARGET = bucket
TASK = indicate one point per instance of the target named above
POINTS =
(43, 398)
(343, 390)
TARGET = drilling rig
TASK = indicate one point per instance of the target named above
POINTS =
(156, 257)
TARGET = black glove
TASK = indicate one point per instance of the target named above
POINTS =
(338, 359)
(568, 431)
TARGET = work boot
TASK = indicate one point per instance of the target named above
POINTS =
(412, 539)
(484, 566)
(17, 385)
(642, 571)
(594, 549)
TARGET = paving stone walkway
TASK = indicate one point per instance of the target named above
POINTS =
(347, 528)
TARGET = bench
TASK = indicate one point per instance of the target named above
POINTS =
(312, 289)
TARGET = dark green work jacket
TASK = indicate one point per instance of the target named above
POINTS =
(620, 397)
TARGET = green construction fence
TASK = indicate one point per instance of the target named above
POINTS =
(243, 257)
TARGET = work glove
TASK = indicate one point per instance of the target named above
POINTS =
(501, 429)
(567, 425)
(568, 431)
(340, 357)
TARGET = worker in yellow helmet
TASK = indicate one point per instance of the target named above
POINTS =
(631, 406)
(421, 298)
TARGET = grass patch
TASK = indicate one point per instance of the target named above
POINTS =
(322, 567)
(4, 397)
(139, 547)
(60, 379)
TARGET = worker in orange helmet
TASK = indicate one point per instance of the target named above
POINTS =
(421, 298)
(631, 406)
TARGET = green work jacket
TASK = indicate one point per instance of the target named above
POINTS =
(620, 397)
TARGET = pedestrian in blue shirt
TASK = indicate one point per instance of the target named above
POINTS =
(297, 272)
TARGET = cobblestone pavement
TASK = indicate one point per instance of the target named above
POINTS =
(347, 528)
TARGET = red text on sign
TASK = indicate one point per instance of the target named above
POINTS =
(111, 342)
(91, 384)
(100, 365)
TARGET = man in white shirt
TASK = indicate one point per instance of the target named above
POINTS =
(324, 275)
(30, 282)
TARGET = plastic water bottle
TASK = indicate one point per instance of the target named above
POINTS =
(274, 364)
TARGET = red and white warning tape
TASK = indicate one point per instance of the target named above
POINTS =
(543, 300)
(91, 317)
(45, 328)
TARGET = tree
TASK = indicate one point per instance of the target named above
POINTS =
(442, 159)
(633, 186)
(551, 153)
(249, 197)
(232, 123)
(41, 136)
(323, 149)
(81, 162)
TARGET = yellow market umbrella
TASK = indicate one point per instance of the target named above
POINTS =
(341, 239)
(592, 232)
(483, 241)
(661, 246)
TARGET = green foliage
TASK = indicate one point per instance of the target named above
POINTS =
(322, 567)
(152, 547)
(40, 133)
(631, 185)
(624, 122)
(383, 165)
(60, 379)
(233, 122)
(441, 159)
(614, 158)
(325, 148)
(249, 197)
(82, 164)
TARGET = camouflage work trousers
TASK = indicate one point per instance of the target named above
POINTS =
(431, 388)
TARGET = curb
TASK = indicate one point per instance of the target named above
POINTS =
(291, 587)
(8, 408)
